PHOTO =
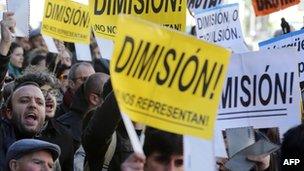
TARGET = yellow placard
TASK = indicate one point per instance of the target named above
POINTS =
(166, 79)
(67, 21)
(169, 13)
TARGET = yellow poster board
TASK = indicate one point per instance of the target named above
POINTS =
(169, 13)
(166, 79)
(67, 21)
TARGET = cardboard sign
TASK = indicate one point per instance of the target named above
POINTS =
(50, 44)
(221, 25)
(67, 21)
(193, 158)
(83, 52)
(196, 6)
(291, 40)
(106, 47)
(21, 11)
(166, 79)
(265, 7)
(259, 92)
(168, 13)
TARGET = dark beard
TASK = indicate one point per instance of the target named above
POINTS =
(20, 131)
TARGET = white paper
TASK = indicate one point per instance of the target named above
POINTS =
(106, 47)
(291, 40)
(260, 109)
(50, 44)
(221, 25)
(22, 15)
(198, 154)
(83, 52)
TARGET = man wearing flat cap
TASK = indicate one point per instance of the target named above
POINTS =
(32, 155)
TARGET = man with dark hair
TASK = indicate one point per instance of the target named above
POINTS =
(292, 148)
(164, 151)
(52, 130)
(87, 98)
(105, 139)
(93, 88)
(78, 74)
(25, 116)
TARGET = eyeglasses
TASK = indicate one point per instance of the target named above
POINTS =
(52, 92)
(83, 79)
(63, 77)
(8, 79)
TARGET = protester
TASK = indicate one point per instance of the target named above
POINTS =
(36, 39)
(32, 155)
(39, 61)
(86, 99)
(78, 74)
(95, 51)
(65, 58)
(8, 24)
(164, 151)
(52, 130)
(25, 116)
(16, 60)
(62, 73)
(24, 43)
(105, 129)
(292, 148)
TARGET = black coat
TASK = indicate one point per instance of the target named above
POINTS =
(97, 136)
(58, 134)
(7, 138)
(73, 119)
(4, 60)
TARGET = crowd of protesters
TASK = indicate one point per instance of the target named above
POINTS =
(58, 113)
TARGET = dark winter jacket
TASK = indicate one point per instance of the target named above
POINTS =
(57, 133)
(4, 60)
(97, 136)
(73, 119)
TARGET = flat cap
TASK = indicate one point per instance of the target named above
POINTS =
(25, 146)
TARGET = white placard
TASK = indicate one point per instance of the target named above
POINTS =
(196, 6)
(198, 154)
(22, 15)
(260, 91)
(50, 44)
(83, 52)
(291, 40)
(106, 47)
(221, 25)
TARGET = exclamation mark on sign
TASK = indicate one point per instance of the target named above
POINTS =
(216, 81)
(206, 120)
(290, 88)
(180, 5)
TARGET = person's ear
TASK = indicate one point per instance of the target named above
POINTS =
(8, 113)
(71, 84)
(13, 165)
(94, 99)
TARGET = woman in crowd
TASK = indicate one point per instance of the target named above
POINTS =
(16, 60)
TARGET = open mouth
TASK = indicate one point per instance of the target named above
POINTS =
(31, 119)
(49, 106)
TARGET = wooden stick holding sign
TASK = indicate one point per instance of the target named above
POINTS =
(137, 147)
